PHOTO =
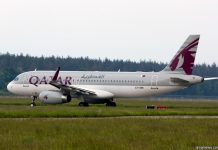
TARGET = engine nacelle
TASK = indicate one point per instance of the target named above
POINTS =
(54, 97)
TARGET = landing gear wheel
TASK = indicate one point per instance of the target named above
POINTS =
(33, 104)
(114, 104)
(83, 104)
(111, 104)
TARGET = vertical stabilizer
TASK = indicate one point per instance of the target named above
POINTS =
(183, 61)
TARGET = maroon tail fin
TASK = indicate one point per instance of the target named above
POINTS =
(183, 61)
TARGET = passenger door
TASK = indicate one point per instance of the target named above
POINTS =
(154, 81)
(25, 80)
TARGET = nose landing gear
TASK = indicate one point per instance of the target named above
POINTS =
(33, 104)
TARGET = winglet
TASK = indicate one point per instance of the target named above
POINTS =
(56, 74)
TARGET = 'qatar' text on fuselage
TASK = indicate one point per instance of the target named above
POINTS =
(45, 80)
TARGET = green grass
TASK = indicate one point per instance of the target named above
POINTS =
(54, 127)
(107, 133)
(19, 108)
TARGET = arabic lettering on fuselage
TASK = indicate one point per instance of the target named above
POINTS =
(67, 80)
(91, 76)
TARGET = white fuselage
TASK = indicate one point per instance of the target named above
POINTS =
(116, 84)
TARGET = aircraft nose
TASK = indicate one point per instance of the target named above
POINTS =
(9, 87)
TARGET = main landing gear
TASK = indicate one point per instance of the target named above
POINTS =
(33, 104)
(82, 104)
(85, 103)
(111, 104)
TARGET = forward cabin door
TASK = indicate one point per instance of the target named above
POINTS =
(25, 80)
(154, 81)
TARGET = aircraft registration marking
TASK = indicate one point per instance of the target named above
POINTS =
(139, 87)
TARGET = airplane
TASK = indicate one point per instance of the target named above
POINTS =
(93, 87)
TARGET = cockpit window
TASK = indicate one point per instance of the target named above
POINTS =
(16, 79)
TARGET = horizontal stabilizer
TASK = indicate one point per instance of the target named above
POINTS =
(212, 78)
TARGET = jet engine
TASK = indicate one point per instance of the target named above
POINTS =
(54, 97)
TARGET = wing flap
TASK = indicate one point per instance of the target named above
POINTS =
(76, 90)
(82, 91)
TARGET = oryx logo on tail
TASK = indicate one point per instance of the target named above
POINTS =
(184, 59)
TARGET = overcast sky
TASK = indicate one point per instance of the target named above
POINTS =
(116, 29)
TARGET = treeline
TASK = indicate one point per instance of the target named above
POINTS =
(12, 65)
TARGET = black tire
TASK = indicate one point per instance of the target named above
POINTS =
(86, 104)
(33, 104)
(111, 104)
(83, 104)
(69, 98)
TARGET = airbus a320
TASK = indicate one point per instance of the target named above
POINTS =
(58, 87)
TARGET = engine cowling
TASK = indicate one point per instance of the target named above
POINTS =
(54, 97)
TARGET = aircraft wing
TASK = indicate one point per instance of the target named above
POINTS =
(68, 89)
(78, 90)
(82, 91)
